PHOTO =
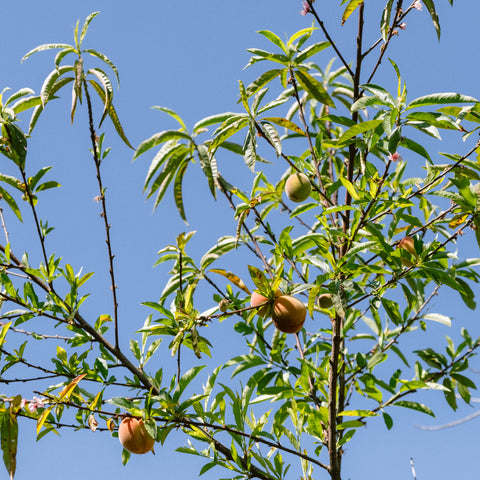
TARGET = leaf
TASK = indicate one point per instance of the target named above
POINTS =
(85, 27)
(185, 380)
(350, 8)
(419, 407)
(314, 88)
(440, 99)
(261, 81)
(9, 439)
(431, 9)
(108, 91)
(47, 46)
(111, 113)
(237, 281)
(106, 60)
(350, 188)
(283, 122)
(48, 87)
(437, 317)
(358, 129)
(274, 39)
(4, 195)
(160, 137)
(67, 391)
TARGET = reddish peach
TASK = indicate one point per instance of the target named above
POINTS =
(256, 300)
(289, 314)
(134, 436)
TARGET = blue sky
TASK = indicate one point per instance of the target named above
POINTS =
(189, 56)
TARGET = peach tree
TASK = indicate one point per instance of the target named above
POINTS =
(344, 253)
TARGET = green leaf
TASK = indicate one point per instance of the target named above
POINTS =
(48, 87)
(385, 22)
(47, 46)
(177, 189)
(111, 113)
(419, 407)
(261, 81)
(274, 39)
(185, 380)
(106, 60)
(9, 439)
(108, 91)
(350, 8)
(311, 85)
(85, 27)
(440, 99)
(437, 317)
(283, 122)
(160, 137)
(358, 129)
(4, 195)
(311, 50)
(431, 9)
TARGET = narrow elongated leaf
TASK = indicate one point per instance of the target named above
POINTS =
(85, 27)
(385, 22)
(211, 120)
(311, 50)
(48, 87)
(419, 407)
(237, 281)
(283, 122)
(350, 8)
(440, 99)
(11, 203)
(173, 114)
(9, 439)
(158, 138)
(314, 88)
(431, 9)
(358, 129)
(106, 60)
(274, 39)
(261, 81)
(108, 91)
(177, 190)
(47, 46)
(19, 94)
(112, 113)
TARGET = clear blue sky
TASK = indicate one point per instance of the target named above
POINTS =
(189, 56)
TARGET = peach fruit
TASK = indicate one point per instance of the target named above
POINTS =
(289, 314)
(134, 436)
(297, 187)
(256, 299)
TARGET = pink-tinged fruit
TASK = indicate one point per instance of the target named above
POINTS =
(289, 314)
(256, 300)
(134, 436)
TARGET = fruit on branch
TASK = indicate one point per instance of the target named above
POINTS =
(288, 314)
(325, 300)
(297, 187)
(256, 300)
(408, 245)
(134, 436)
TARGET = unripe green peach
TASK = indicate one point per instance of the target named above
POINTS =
(325, 300)
(297, 187)
(256, 300)
(289, 314)
(134, 436)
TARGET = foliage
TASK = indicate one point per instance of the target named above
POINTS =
(381, 244)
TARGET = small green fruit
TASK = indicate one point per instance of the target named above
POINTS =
(297, 187)
(325, 300)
